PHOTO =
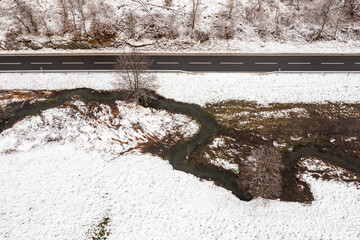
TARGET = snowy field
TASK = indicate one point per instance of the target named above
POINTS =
(65, 194)
(60, 184)
(202, 88)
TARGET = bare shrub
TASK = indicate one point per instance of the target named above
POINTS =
(101, 26)
(160, 26)
(24, 13)
(130, 25)
(101, 30)
(261, 173)
(352, 8)
(200, 36)
(132, 75)
(225, 30)
(168, 3)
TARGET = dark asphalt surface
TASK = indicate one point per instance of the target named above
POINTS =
(216, 63)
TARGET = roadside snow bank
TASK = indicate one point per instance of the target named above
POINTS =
(220, 46)
(202, 88)
(60, 192)
(205, 88)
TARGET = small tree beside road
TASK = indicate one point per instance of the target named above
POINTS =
(134, 77)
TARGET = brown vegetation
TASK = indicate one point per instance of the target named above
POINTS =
(246, 128)
(261, 173)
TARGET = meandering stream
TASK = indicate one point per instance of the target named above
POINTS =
(179, 153)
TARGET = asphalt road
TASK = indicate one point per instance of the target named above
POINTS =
(216, 63)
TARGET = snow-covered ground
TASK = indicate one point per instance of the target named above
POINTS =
(218, 46)
(202, 88)
(61, 173)
(59, 192)
(110, 131)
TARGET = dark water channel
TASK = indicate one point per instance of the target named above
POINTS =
(349, 163)
(178, 153)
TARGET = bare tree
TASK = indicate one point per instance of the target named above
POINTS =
(194, 12)
(261, 173)
(75, 14)
(340, 15)
(133, 76)
(325, 14)
(230, 7)
(260, 5)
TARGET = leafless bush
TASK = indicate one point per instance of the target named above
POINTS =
(101, 30)
(160, 26)
(168, 3)
(225, 31)
(200, 36)
(132, 75)
(12, 34)
(352, 8)
(131, 21)
(261, 173)
(26, 17)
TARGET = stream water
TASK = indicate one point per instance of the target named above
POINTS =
(178, 153)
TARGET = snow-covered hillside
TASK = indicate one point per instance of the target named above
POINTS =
(182, 26)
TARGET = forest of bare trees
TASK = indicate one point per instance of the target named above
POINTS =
(104, 21)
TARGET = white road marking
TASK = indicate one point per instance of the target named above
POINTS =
(332, 63)
(167, 63)
(10, 63)
(260, 63)
(142, 63)
(110, 63)
(231, 63)
(72, 63)
(200, 63)
(299, 63)
(357, 63)
(41, 63)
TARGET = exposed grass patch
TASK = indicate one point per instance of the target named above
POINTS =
(100, 231)
(331, 128)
